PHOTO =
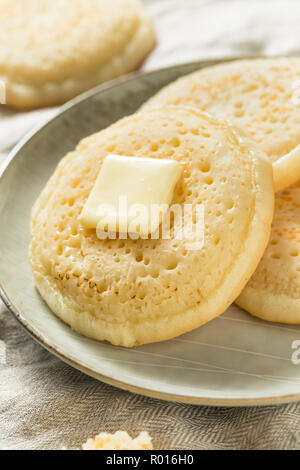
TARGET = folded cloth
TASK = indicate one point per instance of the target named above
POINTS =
(45, 404)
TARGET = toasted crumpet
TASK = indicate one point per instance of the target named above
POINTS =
(261, 96)
(131, 292)
(273, 292)
(52, 50)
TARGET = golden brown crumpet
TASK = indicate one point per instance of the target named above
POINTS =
(273, 293)
(261, 96)
(131, 292)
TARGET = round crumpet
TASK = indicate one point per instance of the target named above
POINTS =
(52, 50)
(273, 292)
(131, 292)
(261, 96)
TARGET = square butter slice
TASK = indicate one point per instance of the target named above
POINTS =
(131, 195)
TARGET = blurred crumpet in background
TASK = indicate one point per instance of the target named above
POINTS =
(53, 50)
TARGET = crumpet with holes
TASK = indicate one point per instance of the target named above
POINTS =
(273, 292)
(261, 96)
(131, 292)
(52, 50)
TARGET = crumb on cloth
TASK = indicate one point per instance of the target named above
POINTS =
(119, 441)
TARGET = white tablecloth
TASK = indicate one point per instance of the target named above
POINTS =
(45, 404)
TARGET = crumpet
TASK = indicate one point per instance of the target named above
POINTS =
(131, 292)
(273, 292)
(261, 96)
(52, 50)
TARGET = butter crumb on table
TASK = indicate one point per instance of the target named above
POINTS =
(119, 441)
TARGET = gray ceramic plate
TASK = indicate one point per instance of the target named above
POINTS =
(234, 360)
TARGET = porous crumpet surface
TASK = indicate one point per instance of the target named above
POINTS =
(261, 96)
(273, 293)
(133, 292)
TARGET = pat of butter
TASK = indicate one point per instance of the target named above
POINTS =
(131, 195)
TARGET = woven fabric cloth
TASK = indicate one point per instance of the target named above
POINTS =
(45, 404)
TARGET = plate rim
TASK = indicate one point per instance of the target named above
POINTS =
(64, 355)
